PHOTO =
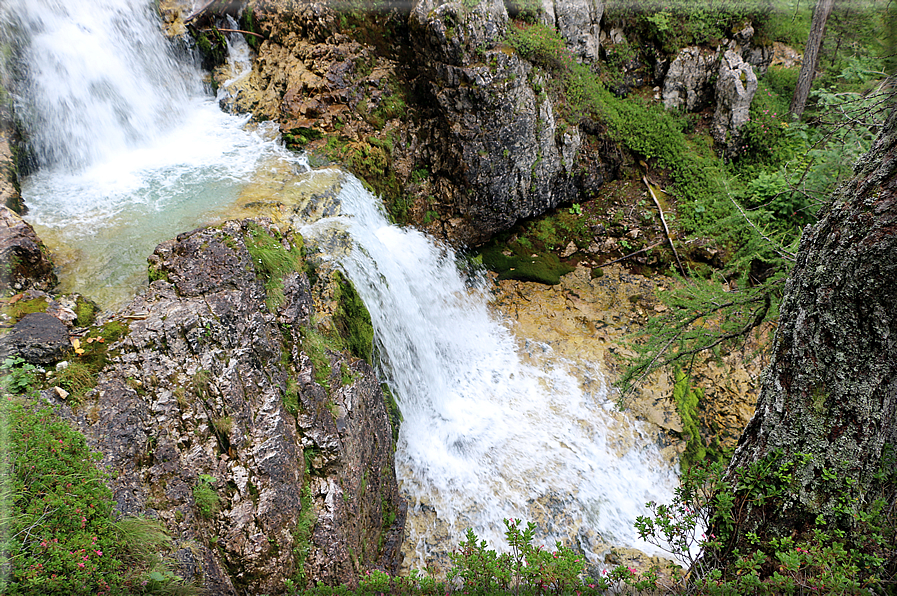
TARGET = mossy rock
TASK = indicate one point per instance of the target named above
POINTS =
(523, 265)
(352, 319)
(19, 309)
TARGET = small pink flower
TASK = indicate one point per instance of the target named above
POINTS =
(99, 553)
(81, 565)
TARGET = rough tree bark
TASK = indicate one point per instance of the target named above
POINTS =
(830, 391)
(811, 57)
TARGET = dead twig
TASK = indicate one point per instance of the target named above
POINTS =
(235, 31)
(663, 220)
(632, 254)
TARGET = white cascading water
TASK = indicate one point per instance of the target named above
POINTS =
(132, 152)
(485, 435)
(131, 149)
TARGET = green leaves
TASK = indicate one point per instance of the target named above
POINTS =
(205, 496)
(17, 376)
(58, 534)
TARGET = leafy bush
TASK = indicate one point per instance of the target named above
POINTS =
(674, 24)
(479, 570)
(205, 496)
(59, 535)
(704, 520)
(17, 376)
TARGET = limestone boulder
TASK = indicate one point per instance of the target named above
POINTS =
(212, 389)
(736, 84)
(688, 83)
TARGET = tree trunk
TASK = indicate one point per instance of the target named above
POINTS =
(828, 399)
(811, 57)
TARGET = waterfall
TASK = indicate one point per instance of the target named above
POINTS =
(131, 148)
(132, 151)
(95, 80)
(487, 435)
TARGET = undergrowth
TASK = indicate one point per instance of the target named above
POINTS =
(58, 533)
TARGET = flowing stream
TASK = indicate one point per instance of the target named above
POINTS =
(131, 151)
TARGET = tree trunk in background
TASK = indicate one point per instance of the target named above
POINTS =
(811, 57)
(830, 391)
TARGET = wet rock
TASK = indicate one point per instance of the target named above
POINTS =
(9, 191)
(24, 260)
(669, 573)
(38, 338)
(736, 84)
(211, 386)
(587, 318)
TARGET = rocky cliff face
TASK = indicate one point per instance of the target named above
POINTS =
(24, 260)
(445, 121)
(579, 21)
(264, 464)
(500, 137)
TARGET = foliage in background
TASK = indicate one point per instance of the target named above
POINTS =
(58, 532)
(674, 24)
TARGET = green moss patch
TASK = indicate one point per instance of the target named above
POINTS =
(17, 310)
(272, 261)
(523, 265)
(352, 319)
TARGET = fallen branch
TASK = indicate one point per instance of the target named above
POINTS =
(234, 31)
(641, 250)
(199, 11)
(664, 222)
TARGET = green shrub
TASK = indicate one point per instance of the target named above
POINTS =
(17, 376)
(819, 557)
(58, 534)
(204, 495)
(674, 24)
